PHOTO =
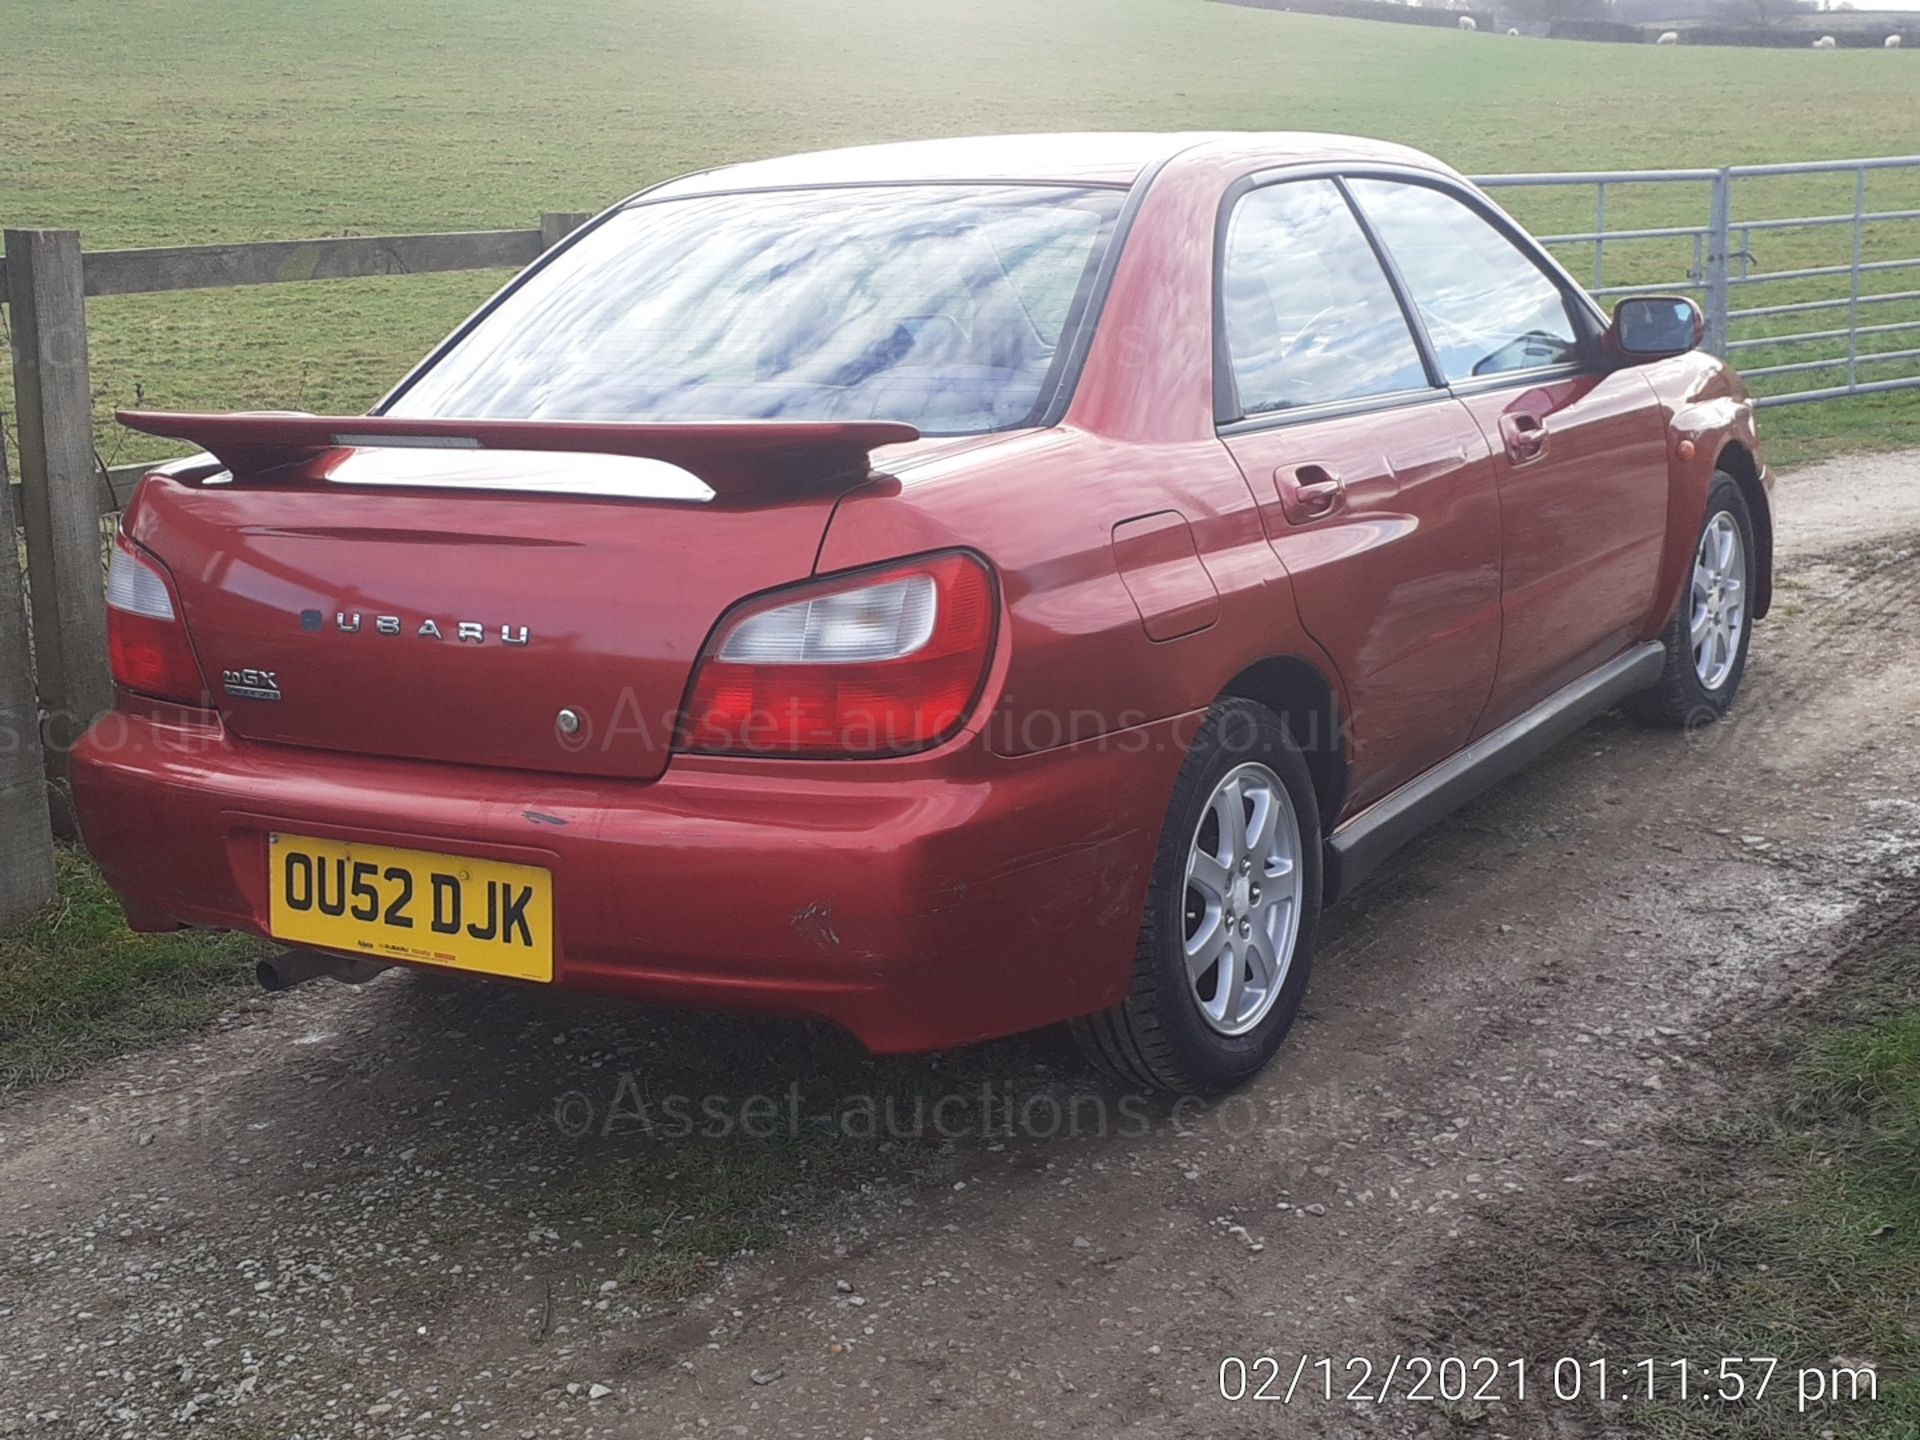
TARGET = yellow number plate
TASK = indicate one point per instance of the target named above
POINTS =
(392, 904)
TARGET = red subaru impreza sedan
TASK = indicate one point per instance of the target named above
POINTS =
(943, 589)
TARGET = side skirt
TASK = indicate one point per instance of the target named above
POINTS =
(1356, 849)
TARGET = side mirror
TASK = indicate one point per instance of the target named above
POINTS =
(1653, 327)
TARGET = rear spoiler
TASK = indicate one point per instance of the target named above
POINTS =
(734, 459)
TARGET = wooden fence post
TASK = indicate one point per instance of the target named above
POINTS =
(59, 490)
(556, 225)
(26, 843)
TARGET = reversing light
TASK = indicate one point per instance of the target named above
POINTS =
(878, 663)
(874, 623)
(147, 646)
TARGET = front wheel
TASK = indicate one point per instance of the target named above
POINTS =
(1227, 936)
(1706, 641)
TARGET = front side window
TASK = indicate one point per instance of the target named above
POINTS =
(946, 306)
(1487, 306)
(1309, 315)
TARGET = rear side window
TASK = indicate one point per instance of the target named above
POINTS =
(1488, 307)
(1309, 315)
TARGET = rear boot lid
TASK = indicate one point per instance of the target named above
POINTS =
(497, 593)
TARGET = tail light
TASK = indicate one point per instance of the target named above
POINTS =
(147, 643)
(878, 663)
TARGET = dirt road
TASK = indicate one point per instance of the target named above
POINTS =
(362, 1212)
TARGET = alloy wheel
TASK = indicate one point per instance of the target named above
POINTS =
(1719, 605)
(1243, 899)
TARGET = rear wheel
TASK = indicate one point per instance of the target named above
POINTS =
(1227, 937)
(1706, 641)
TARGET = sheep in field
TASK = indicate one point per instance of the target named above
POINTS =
(1892, 42)
(1668, 37)
(1467, 23)
(1513, 32)
(1826, 42)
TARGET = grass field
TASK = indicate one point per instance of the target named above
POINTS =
(77, 988)
(178, 121)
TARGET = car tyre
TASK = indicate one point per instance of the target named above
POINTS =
(1227, 937)
(1706, 640)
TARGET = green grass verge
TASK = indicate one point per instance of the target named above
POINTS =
(1805, 1244)
(78, 987)
(187, 121)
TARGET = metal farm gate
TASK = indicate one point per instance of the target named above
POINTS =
(1814, 302)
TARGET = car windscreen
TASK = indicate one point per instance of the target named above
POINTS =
(946, 306)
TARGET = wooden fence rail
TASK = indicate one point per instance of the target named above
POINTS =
(62, 490)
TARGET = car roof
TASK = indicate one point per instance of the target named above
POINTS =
(1100, 158)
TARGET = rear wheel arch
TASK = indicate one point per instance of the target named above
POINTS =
(1206, 1003)
(1296, 691)
(1739, 462)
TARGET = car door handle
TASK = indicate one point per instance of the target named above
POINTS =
(1309, 492)
(1525, 436)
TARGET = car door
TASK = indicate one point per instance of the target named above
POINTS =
(1376, 487)
(1580, 448)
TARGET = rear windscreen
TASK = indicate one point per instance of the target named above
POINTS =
(946, 306)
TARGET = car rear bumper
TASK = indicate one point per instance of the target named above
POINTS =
(920, 902)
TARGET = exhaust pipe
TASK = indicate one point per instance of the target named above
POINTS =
(297, 967)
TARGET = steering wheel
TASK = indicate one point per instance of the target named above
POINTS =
(1314, 329)
(936, 331)
(1450, 337)
(887, 351)
(1535, 348)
